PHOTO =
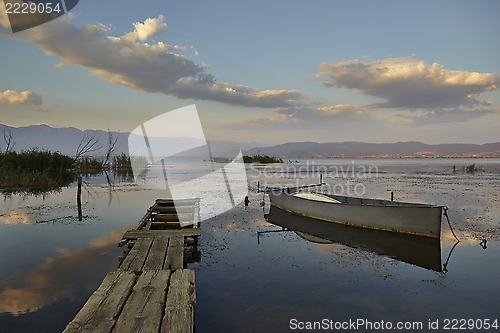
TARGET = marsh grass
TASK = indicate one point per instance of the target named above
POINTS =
(37, 172)
(471, 168)
(261, 159)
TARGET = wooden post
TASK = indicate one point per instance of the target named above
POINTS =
(321, 178)
(392, 196)
(258, 186)
(79, 198)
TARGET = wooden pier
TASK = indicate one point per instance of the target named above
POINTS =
(152, 290)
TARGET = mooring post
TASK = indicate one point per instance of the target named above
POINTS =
(79, 198)
(392, 196)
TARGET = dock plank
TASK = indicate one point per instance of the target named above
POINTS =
(138, 296)
(157, 254)
(180, 304)
(186, 232)
(178, 202)
(144, 309)
(175, 253)
(172, 209)
(104, 305)
(137, 256)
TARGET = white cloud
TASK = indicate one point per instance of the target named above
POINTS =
(144, 31)
(131, 61)
(409, 83)
(23, 97)
(60, 64)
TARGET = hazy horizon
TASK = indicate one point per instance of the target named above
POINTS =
(258, 142)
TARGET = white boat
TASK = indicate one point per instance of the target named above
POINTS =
(386, 215)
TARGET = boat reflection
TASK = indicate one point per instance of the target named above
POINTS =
(420, 251)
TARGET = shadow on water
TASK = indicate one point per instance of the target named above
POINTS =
(420, 251)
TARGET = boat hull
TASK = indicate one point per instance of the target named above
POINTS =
(420, 251)
(406, 218)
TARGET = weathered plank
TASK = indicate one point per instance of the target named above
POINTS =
(144, 308)
(172, 209)
(181, 301)
(157, 254)
(180, 202)
(136, 234)
(175, 254)
(165, 225)
(170, 217)
(104, 306)
(137, 256)
(144, 220)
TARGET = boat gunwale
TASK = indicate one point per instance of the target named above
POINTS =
(386, 203)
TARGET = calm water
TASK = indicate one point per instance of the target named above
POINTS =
(255, 277)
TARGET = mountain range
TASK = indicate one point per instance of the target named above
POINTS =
(66, 141)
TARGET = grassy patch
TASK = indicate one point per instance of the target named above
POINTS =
(261, 159)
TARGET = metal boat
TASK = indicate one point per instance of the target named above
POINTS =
(420, 251)
(401, 217)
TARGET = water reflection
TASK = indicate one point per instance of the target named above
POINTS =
(15, 217)
(43, 185)
(59, 278)
(424, 252)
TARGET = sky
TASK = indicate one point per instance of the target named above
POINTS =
(263, 71)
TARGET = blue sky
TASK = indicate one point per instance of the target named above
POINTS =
(373, 71)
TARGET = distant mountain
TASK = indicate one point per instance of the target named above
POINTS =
(66, 141)
(360, 149)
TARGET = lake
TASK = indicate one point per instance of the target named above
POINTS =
(255, 276)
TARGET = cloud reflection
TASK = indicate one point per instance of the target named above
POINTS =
(15, 217)
(61, 278)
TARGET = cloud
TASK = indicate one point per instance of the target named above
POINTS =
(343, 110)
(24, 97)
(440, 116)
(409, 83)
(304, 116)
(144, 31)
(60, 64)
(132, 61)
(205, 87)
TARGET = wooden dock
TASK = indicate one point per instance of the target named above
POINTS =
(152, 290)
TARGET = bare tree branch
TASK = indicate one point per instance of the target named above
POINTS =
(88, 144)
(9, 142)
(112, 140)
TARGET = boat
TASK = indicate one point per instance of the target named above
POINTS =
(386, 215)
(424, 252)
